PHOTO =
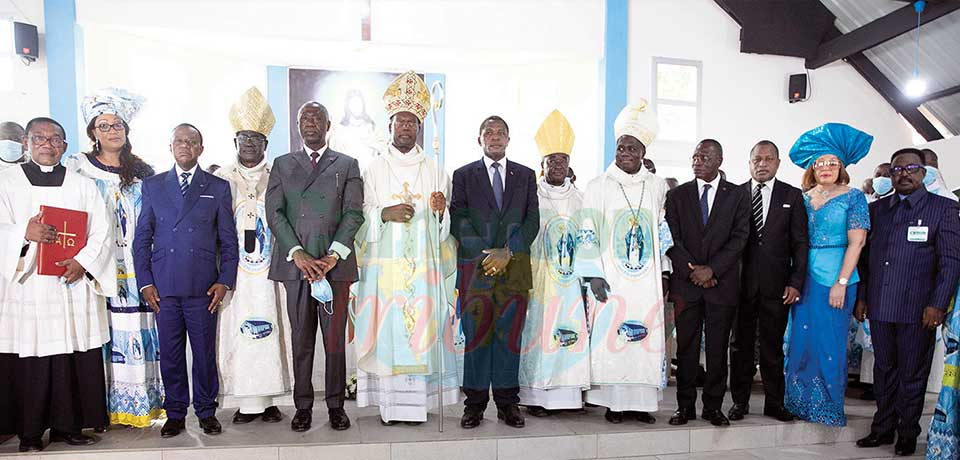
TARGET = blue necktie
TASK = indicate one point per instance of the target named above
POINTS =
(704, 206)
(183, 183)
(497, 185)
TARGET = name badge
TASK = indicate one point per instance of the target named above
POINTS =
(917, 234)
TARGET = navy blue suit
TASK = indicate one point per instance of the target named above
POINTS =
(493, 308)
(898, 280)
(183, 245)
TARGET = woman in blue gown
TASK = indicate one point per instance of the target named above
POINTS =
(943, 439)
(816, 357)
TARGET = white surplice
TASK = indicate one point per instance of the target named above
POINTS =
(624, 239)
(41, 315)
(396, 324)
(555, 363)
(254, 349)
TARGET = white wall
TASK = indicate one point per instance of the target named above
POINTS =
(28, 98)
(499, 56)
(744, 95)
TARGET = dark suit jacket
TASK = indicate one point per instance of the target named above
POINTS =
(313, 207)
(899, 278)
(779, 258)
(178, 237)
(718, 244)
(477, 224)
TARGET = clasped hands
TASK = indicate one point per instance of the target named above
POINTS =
(702, 276)
(312, 268)
(404, 212)
(495, 261)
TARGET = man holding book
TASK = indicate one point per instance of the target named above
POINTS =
(54, 277)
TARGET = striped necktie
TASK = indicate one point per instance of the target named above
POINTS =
(184, 183)
(758, 210)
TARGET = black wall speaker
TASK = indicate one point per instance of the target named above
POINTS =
(797, 91)
(25, 41)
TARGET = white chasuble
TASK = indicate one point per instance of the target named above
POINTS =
(254, 348)
(40, 315)
(555, 358)
(623, 239)
(396, 310)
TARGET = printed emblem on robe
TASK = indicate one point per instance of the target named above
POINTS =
(560, 247)
(632, 241)
(565, 337)
(255, 243)
(130, 347)
(256, 328)
(632, 331)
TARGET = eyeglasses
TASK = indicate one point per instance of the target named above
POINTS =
(908, 169)
(55, 141)
(831, 164)
(405, 124)
(105, 127)
(186, 142)
(250, 139)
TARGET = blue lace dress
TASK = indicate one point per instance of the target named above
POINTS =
(816, 357)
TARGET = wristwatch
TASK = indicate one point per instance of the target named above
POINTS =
(843, 281)
(334, 255)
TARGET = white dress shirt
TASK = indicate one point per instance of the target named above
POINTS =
(192, 171)
(765, 193)
(710, 194)
(503, 169)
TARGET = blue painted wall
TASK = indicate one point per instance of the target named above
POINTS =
(63, 46)
(613, 72)
(278, 96)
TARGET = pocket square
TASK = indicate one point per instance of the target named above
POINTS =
(206, 196)
(786, 205)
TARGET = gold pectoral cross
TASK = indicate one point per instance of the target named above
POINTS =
(406, 196)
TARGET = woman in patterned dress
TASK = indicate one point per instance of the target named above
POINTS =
(134, 388)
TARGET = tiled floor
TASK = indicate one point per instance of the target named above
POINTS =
(565, 436)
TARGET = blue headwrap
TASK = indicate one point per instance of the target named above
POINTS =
(846, 142)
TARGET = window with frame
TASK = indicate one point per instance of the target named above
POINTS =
(676, 98)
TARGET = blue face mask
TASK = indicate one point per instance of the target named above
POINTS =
(931, 177)
(882, 185)
(11, 151)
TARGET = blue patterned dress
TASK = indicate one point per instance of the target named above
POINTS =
(943, 439)
(816, 358)
(135, 391)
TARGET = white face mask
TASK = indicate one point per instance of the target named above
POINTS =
(882, 185)
(11, 151)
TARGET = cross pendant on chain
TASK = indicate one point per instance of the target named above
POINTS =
(407, 196)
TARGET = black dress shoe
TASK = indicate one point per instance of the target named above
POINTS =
(302, 420)
(511, 416)
(780, 413)
(100, 429)
(73, 439)
(338, 419)
(738, 411)
(646, 417)
(241, 418)
(905, 446)
(875, 440)
(272, 415)
(715, 417)
(408, 423)
(32, 444)
(211, 425)
(172, 427)
(471, 417)
(538, 411)
(613, 417)
(682, 416)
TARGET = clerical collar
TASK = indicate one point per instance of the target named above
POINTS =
(44, 176)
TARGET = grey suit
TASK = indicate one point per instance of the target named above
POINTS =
(317, 208)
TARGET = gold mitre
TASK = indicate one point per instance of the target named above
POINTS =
(555, 135)
(252, 113)
(407, 93)
(639, 121)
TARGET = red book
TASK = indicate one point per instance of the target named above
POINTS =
(71, 238)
